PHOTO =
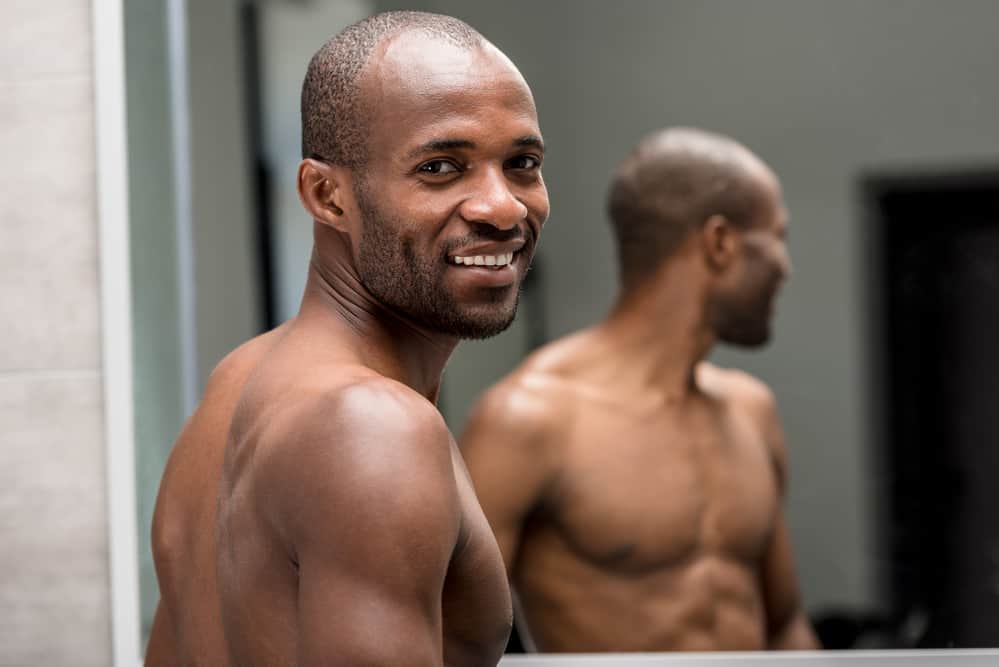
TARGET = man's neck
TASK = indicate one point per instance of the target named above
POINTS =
(660, 332)
(387, 342)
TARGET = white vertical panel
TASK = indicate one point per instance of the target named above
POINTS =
(112, 198)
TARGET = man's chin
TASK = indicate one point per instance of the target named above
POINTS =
(479, 328)
(482, 320)
(747, 339)
(466, 323)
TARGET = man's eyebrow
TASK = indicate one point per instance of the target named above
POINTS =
(531, 141)
(435, 145)
(439, 145)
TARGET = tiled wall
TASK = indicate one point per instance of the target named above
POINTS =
(54, 594)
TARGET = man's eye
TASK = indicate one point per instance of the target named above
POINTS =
(524, 162)
(436, 167)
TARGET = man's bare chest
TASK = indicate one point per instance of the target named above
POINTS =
(642, 494)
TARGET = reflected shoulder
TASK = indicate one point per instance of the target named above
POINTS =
(524, 403)
(529, 411)
(737, 387)
(752, 397)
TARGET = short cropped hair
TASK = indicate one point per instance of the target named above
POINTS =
(334, 117)
(672, 182)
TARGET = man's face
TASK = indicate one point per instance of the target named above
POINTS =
(745, 308)
(451, 199)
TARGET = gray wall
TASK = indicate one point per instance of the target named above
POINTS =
(823, 91)
(54, 602)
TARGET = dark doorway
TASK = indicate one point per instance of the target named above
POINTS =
(935, 249)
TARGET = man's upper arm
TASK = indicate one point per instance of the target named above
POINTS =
(509, 450)
(366, 500)
(787, 626)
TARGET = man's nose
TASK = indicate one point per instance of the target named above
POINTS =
(492, 202)
(787, 266)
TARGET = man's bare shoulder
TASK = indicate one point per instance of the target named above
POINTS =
(556, 382)
(750, 395)
(202, 439)
(235, 367)
(738, 388)
(363, 444)
(372, 405)
(538, 397)
(566, 357)
(528, 418)
(350, 408)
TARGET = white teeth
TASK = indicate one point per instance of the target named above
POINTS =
(484, 260)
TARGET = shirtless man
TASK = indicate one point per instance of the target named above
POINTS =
(346, 530)
(634, 489)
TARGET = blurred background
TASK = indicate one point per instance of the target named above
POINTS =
(881, 119)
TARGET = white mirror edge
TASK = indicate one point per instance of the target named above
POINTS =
(889, 658)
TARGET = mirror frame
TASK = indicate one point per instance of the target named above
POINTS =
(116, 340)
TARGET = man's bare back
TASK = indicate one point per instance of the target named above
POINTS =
(187, 628)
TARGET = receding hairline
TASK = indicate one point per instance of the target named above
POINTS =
(333, 113)
(380, 55)
(388, 80)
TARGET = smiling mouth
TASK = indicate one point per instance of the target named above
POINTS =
(494, 261)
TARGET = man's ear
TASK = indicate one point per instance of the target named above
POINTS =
(720, 242)
(323, 188)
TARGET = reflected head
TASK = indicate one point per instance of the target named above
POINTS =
(669, 185)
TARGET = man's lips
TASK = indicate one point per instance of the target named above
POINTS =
(486, 254)
(487, 270)
(496, 260)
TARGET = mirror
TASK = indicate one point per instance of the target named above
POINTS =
(867, 128)
(856, 119)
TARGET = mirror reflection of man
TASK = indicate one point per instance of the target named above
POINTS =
(315, 509)
(635, 490)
